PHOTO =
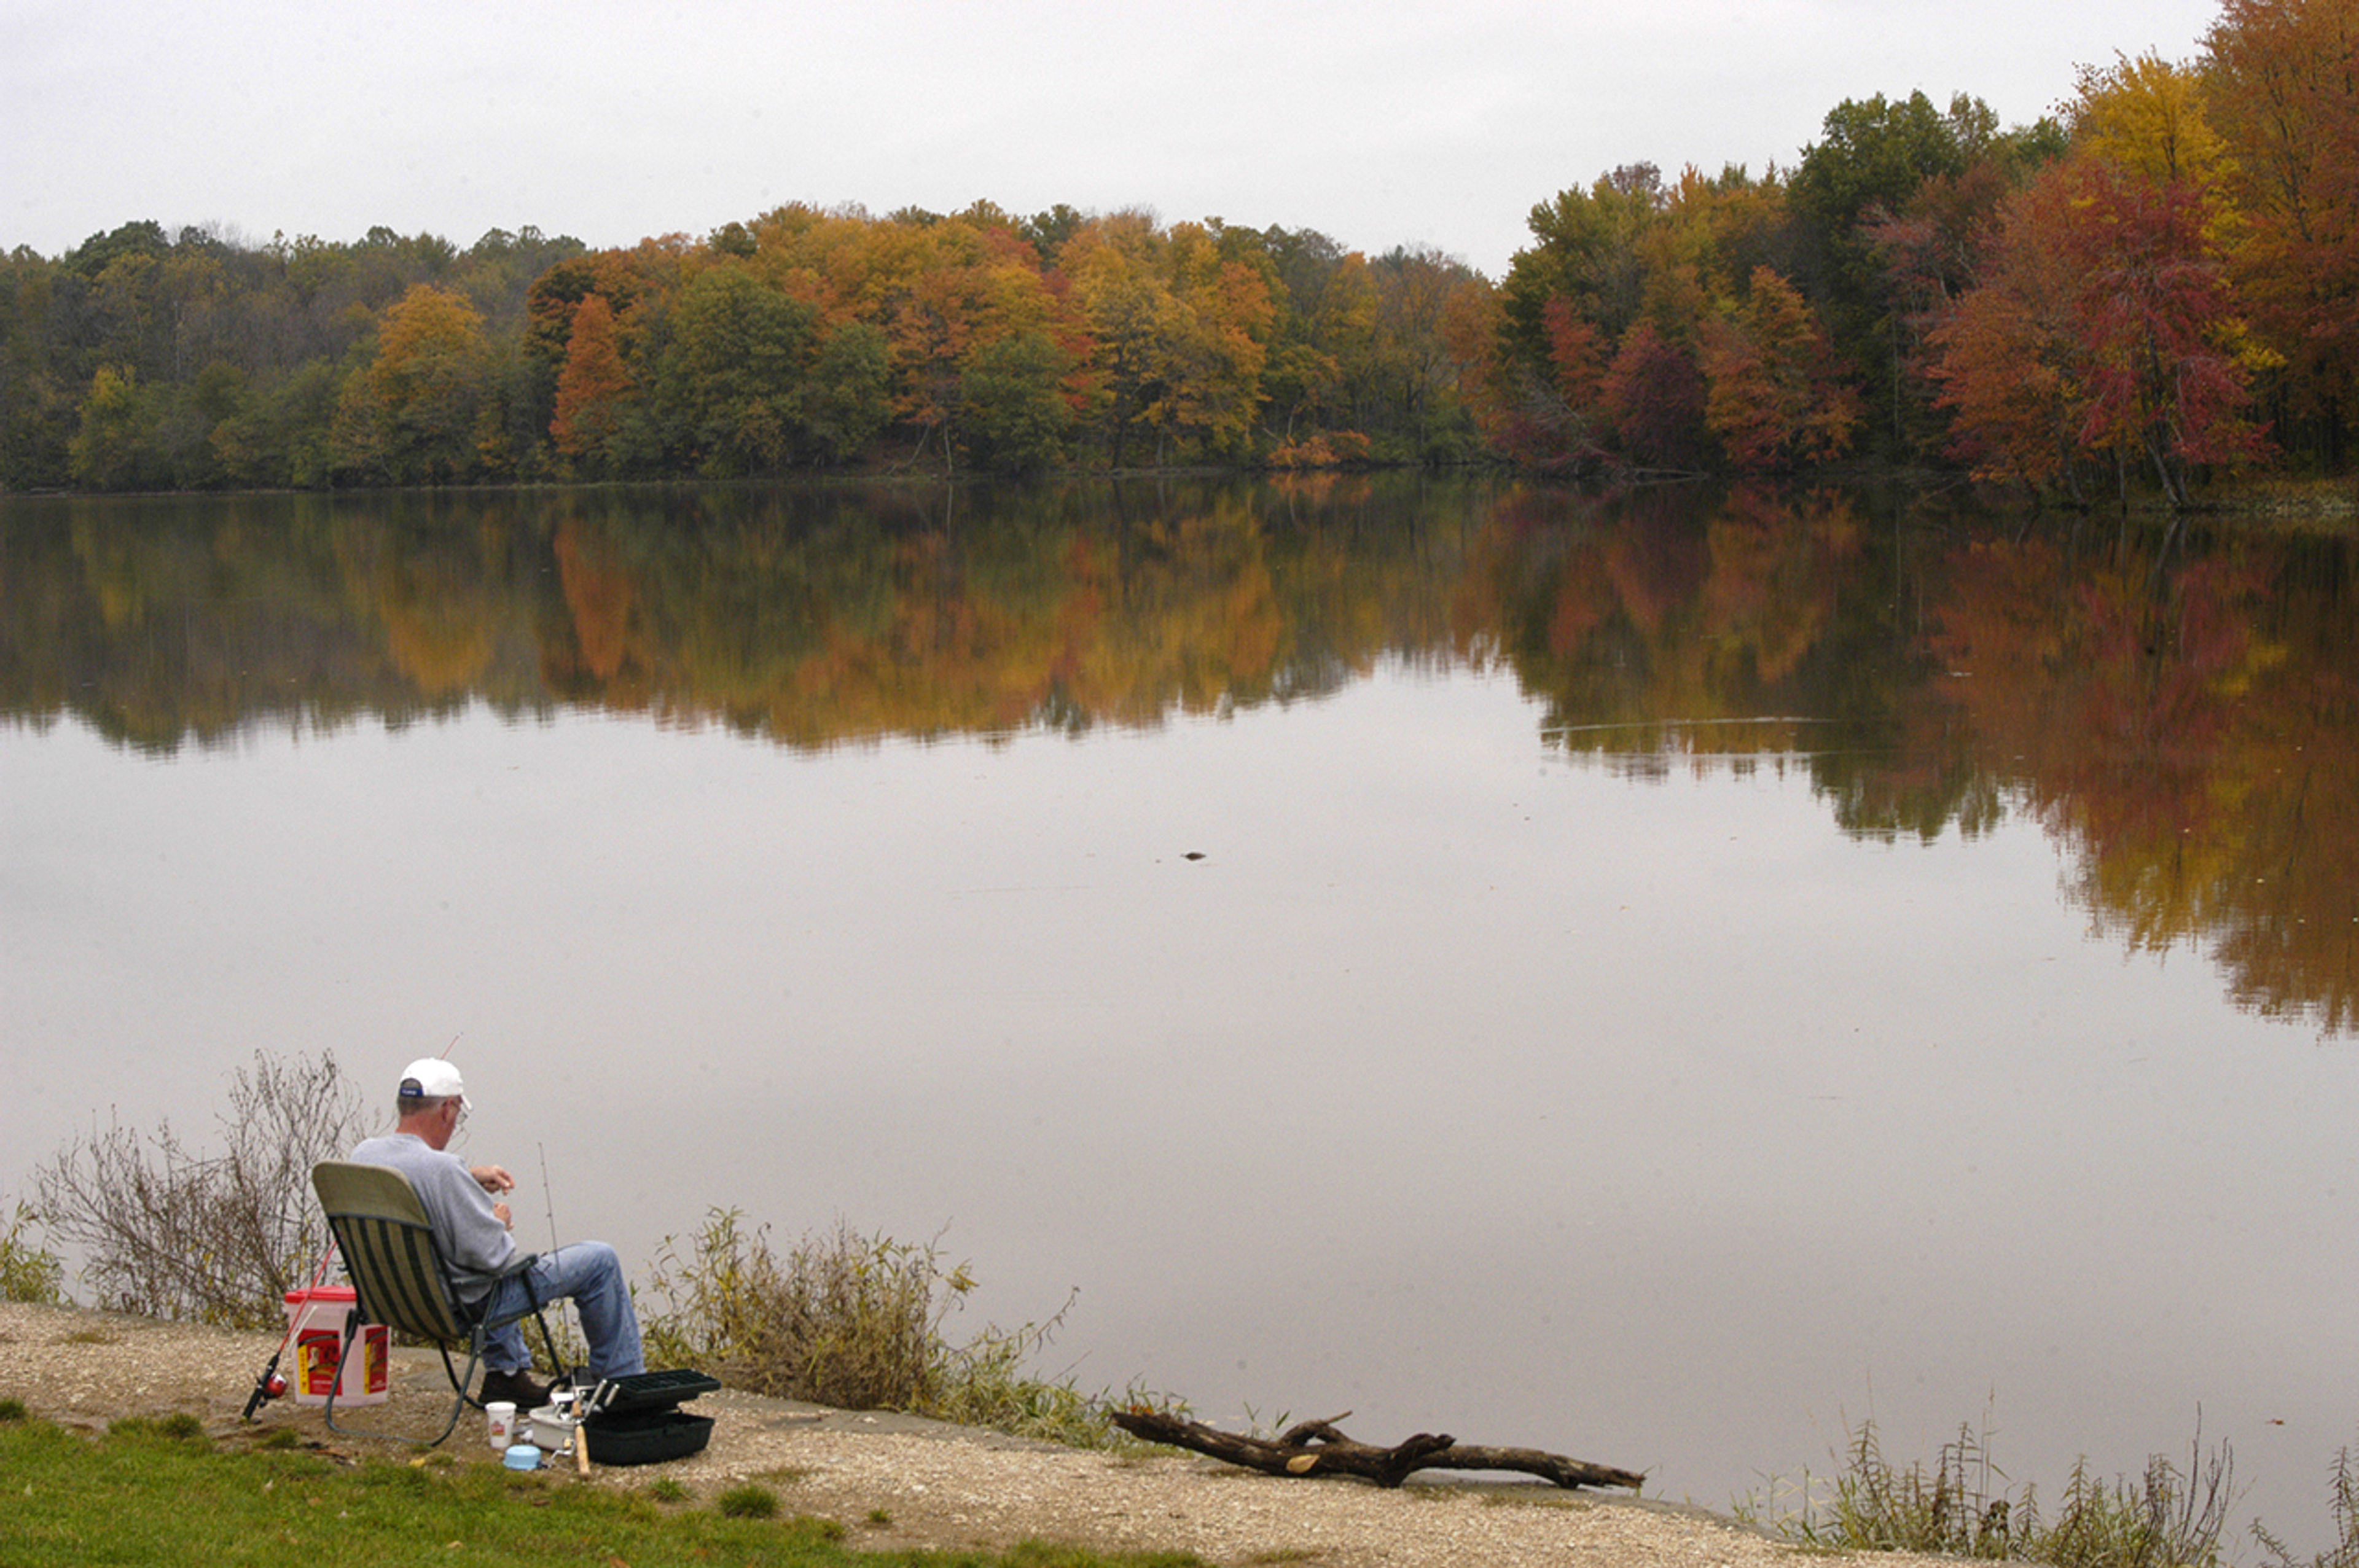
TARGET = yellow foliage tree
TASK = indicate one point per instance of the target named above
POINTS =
(409, 413)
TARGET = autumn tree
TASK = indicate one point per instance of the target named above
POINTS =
(2278, 85)
(2009, 361)
(2147, 118)
(593, 389)
(1653, 398)
(1777, 396)
(409, 413)
(2106, 324)
(1215, 341)
(1177, 333)
(2169, 371)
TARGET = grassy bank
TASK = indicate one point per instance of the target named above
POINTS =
(161, 1492)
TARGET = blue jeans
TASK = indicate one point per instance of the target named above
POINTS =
(588, 1272)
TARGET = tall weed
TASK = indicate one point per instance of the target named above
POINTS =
(842, 1320)
(2345, 1552)
(27, 1272)
(852, 1321)
(2168, 1518)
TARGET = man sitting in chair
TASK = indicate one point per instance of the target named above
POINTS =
(471, 1229)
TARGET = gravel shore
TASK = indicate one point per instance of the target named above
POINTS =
(895, 1481)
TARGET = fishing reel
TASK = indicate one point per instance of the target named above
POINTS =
(271, 1384)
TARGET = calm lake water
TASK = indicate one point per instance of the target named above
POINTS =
(1657, 978)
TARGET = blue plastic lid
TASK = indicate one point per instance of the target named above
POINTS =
(521, 1456)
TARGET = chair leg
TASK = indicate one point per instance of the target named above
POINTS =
(352, 1329)
(460, 1401)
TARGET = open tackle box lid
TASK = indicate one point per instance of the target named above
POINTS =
(649, 1391)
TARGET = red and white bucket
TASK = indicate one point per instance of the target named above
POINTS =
(315, 1319)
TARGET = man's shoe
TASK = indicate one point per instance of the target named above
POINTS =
(517, 1387)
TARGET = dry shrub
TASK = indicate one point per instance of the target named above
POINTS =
(169, 1230)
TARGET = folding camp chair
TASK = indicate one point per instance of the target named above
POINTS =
(401, 1278)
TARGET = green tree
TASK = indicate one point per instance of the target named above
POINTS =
(847, 399)
(1017, 415)
(731, 379)
(1589, 249)
(1872, 160)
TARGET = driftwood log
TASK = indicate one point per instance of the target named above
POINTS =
(1317, 1448)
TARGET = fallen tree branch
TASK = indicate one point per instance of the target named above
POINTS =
(1317, 1448)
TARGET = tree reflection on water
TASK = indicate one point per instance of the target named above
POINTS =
(2179, 714)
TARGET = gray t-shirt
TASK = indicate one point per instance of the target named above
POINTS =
(474, 1242)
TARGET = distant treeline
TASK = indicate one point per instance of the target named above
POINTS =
(2162, 281)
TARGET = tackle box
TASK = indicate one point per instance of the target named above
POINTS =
(637, 1420)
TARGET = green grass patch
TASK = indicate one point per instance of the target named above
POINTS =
(748, 1501)
(145, 1492)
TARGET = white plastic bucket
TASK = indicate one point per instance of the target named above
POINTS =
(549, 1429)
(315, 1318)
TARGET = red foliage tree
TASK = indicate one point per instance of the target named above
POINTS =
(2155, 305)
(2106, 327)
(1653, 395)
(2010, 359)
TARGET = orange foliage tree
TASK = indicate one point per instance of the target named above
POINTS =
(2280, 82)
(1776, 397)
(593, 389)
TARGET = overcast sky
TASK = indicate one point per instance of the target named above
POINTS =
(1379, 124)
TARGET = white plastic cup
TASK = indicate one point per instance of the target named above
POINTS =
(499, 1421)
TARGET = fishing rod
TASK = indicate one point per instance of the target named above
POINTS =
(271, 1385)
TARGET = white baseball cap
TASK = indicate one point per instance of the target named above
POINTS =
(430, 1077)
